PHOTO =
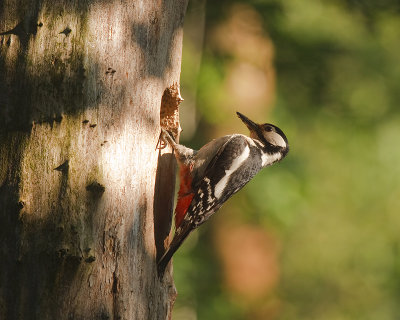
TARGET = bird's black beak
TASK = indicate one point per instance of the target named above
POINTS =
(250, 124)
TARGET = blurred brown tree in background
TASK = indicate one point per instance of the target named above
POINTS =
(315, 237)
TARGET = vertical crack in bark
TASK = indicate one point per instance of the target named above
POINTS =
(114, 291)
(165, 185)
(115, 286)
(165, 176)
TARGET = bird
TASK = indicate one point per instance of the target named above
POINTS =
(211, 175)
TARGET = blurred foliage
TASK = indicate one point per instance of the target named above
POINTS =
(327, 73)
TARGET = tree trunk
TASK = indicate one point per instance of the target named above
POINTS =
(85, 195)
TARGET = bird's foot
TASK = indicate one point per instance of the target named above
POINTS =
(165, 138)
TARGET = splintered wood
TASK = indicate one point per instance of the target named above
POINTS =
(169, 114)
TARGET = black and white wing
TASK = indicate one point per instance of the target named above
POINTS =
(235, 164)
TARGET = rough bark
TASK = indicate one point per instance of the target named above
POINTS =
(84, 193)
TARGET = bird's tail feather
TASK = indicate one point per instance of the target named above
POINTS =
(175, 244)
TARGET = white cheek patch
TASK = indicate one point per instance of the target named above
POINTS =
(268, 159)
(220, 186)
(275, 139)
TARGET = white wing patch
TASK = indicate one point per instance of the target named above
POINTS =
(209, 192)
(220, 186)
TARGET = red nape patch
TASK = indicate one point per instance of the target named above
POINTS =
(181, 208)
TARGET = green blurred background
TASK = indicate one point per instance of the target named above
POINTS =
(317, 235)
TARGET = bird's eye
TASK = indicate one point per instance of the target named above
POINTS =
(268, 128)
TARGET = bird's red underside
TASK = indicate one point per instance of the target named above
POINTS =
(181, 208)
(185, 196)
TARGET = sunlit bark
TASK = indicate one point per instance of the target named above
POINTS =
(81, 85)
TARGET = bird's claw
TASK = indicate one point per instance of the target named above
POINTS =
(164, 139)
(161, 143)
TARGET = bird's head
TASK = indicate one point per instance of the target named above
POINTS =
(271, 137)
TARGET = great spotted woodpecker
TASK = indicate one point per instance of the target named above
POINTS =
(211, 175)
